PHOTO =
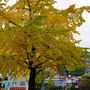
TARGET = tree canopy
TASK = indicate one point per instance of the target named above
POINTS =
(35, 35)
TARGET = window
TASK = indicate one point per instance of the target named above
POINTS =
(22, 83)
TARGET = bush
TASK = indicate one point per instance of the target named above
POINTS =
(85, 82)
(52, 87)
(38, 86)
(55, 88)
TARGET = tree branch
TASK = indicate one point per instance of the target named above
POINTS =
(29, 9)
(39, 71)
(37, 3)
(35, 6)
(48, 57)
(42, 53)
(40, 56)
(41, 64)
(30, 62)
(8, 19)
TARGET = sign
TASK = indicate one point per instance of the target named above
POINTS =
(17, 88)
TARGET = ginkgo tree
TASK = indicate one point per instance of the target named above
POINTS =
(35, 36)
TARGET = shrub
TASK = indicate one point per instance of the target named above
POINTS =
(85, 82)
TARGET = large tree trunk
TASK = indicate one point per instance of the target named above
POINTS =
(31, 83)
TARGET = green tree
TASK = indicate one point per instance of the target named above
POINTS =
(35, 36)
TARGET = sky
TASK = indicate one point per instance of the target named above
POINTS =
(85, 28)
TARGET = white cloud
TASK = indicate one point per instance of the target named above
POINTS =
(80, 3)
(11, 2)
(62, 4)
